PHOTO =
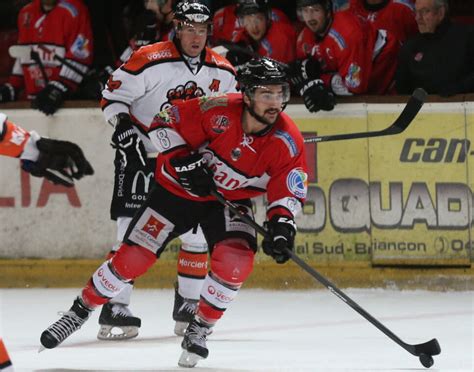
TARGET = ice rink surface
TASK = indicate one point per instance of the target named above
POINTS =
(261, 331)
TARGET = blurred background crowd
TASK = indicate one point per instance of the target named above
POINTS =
(331, 48)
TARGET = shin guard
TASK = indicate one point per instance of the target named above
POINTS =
(231, 264)
(113, 276)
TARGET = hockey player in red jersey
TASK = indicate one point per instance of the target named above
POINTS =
(260, 35)
(226, 22)
(342, 52)
(395, 16)
(155, 77)
(239, 145)
(51, 28)
(60, 162)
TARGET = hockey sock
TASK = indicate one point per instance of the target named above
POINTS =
(231, 264)
(113, 276)
(192, 269)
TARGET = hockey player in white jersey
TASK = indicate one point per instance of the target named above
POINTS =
(152, 79)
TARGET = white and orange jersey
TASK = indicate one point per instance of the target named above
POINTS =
(244, 165)
(16, 142)
(158, 75)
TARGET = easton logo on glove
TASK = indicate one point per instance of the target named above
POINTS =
(189, 167)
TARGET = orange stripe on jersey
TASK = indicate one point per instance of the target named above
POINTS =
(192, 265)
(13, 140)
(215, 59)
(4, 358)
(151, 54)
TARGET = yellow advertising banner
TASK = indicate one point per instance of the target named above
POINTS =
(401, 199)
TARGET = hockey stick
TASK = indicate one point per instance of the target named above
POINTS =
(410, 111)
(424, 351)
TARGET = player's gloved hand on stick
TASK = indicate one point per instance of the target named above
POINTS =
(194, 175)
(7, 93)
(317, 97)
(281, 235)
(60, 162)
(301, 71)
(51, 98)
(126, 141)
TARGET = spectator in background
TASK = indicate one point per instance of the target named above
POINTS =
(226, 24)
(51, 29)
(340, 52)
(441, 58)
(395, 16)
(260, 36)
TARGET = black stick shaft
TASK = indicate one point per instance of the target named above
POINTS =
(320, 278)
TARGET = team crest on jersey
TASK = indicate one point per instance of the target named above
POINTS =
(219, 123)
(297, 182)
(184, 92)
(353, 76)
(168, 116)
(207, 103)
(80, 47)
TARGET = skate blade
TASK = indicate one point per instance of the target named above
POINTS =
(108, 333)
(180, 328)
(188, 360)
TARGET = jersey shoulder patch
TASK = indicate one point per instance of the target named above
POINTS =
(150, 55)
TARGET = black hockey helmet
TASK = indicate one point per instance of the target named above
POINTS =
(247, 7)
(326, 4)
(263, 71)
(193, 11)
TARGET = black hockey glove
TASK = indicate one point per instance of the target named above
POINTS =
(7, 93)
(194, 175)
(126, 141)
(301, 71)
(51, 98)
(60, 162)
(281, 235)
(317, 97)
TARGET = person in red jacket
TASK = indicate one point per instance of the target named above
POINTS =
(395, 16)
(60, 37)
(261, 36)
(341, 52)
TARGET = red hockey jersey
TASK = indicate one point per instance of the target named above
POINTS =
(244, 165)
(226, 24)
(65, 31)
(355, 57)
(278, 43)
(397, 17)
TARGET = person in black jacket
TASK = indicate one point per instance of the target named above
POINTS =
(441, 58)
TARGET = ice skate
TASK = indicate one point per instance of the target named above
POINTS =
(194, 344)
(183, 312)
(69, 322)
(117, 323)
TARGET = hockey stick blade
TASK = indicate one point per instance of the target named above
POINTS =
(428, 348)
(411, 109)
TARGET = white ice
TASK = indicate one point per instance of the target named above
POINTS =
(262, 331)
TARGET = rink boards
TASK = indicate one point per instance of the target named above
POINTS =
(404, 199)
